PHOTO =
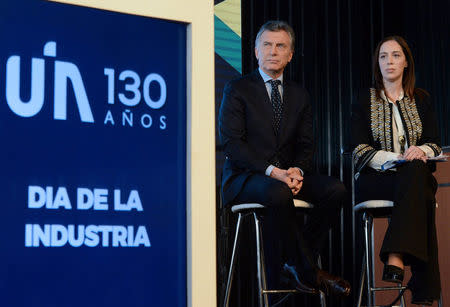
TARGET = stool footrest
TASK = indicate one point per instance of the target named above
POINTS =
(280, 291)
(287, 291)
(388, 288)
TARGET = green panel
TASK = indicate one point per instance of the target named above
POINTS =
(227, 44)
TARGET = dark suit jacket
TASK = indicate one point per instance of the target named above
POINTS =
(247, 135)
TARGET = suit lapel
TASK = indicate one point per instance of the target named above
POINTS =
(288, 104)
(264, 99)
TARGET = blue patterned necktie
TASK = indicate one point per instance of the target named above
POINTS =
(277, 104)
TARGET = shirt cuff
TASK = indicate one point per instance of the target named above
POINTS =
(427, 150)
(382, 157)
(301, 171)
(269, 169)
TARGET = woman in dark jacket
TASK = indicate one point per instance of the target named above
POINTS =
(395, 121)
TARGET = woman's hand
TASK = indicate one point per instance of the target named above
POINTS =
(415, 153)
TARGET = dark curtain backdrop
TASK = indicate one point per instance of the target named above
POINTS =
(333, 59)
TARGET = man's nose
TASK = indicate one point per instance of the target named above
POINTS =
(273, 50)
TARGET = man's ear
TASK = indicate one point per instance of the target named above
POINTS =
(290, 57)
(256, 53)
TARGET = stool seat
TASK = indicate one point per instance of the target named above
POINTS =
(298, 203)
(374, 204)
(376, 207)
(243, 207)
(251, 206)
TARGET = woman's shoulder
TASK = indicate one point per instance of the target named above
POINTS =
(422, 98)
(421, 94)
(363, 95)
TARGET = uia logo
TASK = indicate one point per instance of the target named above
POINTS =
(66, 72)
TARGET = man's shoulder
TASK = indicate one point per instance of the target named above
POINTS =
(295, 85)
(296, 88)
(251, 77)
(243, 82)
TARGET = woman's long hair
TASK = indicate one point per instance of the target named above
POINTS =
(409, 78)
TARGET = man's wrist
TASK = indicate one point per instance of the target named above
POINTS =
(269, 170)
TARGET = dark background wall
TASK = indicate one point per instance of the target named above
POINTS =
(333, 59)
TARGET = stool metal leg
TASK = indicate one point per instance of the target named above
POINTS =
(263, 260)
(402, 298)
(368, 244)
(232, 264)
(367, 271)
(263, 301)
(323, 302)
(361, 281)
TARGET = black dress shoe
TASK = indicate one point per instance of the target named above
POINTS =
(334, 285)
(392, 273)
(291, 277)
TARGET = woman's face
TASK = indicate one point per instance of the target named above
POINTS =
(392, 61)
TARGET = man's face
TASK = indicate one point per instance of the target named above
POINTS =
(273, 52)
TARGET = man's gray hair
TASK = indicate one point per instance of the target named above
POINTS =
(275, 26)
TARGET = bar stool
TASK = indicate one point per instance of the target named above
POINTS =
(244, 210)
(374, 209)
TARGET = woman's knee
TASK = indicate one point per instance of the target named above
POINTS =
(416, 167)
(416, 171)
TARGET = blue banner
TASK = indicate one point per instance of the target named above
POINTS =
(93, 157)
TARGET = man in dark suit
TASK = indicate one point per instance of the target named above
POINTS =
(266, 129)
